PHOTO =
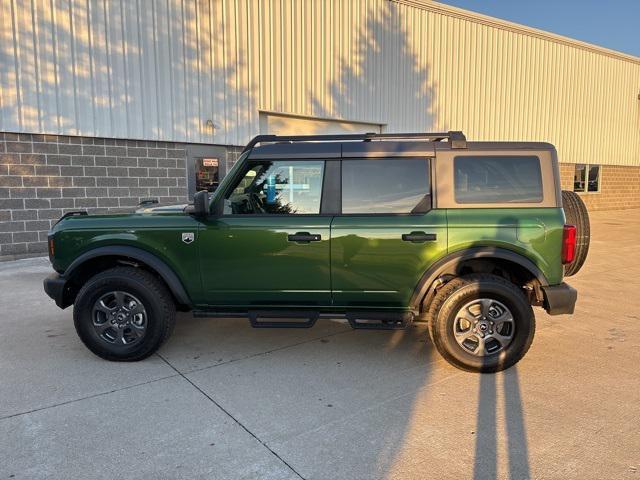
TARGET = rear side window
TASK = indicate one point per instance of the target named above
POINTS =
(393, 185)
(497, 179)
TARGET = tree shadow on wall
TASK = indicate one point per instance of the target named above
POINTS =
(384, 79)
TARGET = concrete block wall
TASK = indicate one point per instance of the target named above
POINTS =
(44, 176)
(619, 187)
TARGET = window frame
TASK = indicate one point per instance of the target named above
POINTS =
(430, 166)
(587, 167)
(233, 183)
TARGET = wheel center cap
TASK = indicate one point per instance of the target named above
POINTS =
(483, 326)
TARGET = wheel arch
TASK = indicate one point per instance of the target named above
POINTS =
(455, 263)
(101, 258)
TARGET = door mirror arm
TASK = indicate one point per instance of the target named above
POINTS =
(217, 207)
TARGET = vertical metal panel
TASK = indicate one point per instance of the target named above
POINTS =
(160, 69)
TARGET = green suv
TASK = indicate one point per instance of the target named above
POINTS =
(378, 229)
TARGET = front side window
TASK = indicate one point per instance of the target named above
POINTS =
(393, 185)
(277, 187)
(497, 179)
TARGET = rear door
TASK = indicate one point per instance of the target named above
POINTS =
(387, 234)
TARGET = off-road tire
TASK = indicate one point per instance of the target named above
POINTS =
(155, 297)
(576, 214)
(460, 291)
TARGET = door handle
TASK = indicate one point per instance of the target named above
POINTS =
(418, 237)
(304, 237)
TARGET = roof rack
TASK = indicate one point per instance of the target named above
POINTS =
(456, 138)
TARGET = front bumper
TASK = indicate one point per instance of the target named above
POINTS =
(559, 299)
(57, 288)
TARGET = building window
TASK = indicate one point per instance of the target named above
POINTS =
(594, 178)
(207, 175)
(586, 178)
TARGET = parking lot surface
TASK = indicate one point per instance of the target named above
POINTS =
(224, 401)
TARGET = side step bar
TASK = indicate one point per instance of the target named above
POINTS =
(380, 320)
(363, 320)
(280, 319)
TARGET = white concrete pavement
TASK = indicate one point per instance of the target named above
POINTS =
(222, 400)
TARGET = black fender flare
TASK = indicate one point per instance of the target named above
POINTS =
(166, 273)
(448, 264)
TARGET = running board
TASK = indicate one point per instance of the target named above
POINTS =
(282, 319)
(361, 320)
(379, 320)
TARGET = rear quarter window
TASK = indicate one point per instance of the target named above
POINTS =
(497, 179)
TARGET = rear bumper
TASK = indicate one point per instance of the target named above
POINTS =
(559, 299)
(56, 287)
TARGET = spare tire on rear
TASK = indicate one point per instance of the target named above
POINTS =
(576, 214)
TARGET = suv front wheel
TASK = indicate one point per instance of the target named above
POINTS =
(124, 314)
(481, 323)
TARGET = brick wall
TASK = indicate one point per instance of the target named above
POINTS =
(232, 155)
(619, 187)
(44, 176)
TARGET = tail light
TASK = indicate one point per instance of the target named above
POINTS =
(52, 250)
(568, 244)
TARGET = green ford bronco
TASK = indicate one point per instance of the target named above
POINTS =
(378, 229)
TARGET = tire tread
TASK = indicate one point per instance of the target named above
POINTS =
(146, 280)
(577, 214)
(450, 289)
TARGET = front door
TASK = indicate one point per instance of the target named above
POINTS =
(271, 245)
(387, 235)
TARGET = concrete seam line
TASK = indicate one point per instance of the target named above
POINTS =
(232, 417)
(87, 398)
(266, 352)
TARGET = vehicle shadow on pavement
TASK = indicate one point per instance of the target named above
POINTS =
(333, 402)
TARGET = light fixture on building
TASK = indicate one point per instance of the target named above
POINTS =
(209, 124)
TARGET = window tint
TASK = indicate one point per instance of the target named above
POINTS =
(499, 179)
(277, 187)
(394, 185)
(579, 178)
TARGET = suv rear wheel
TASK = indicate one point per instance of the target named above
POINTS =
(124, 314)
(481, 323)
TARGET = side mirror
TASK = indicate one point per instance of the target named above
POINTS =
(201, 204)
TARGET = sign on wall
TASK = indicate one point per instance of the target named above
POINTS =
(209, 162)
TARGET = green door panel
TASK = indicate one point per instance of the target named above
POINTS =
(535, 233)
(371, 266)
(248, 261)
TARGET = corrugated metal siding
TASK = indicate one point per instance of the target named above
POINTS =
(160, 69)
